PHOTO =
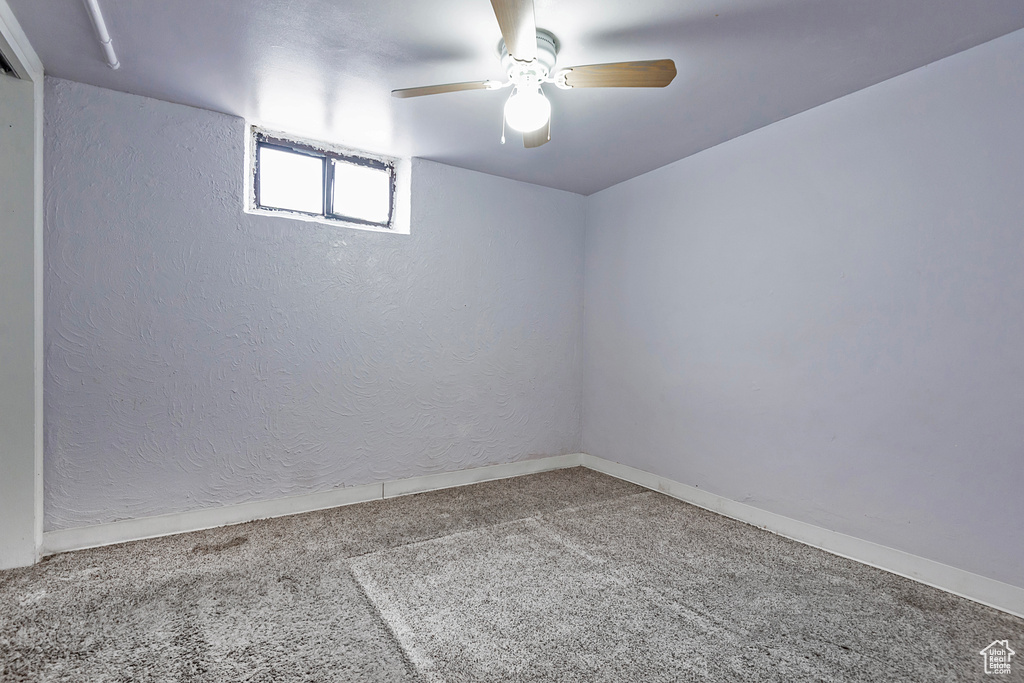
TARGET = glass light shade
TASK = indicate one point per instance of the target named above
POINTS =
(527, 110)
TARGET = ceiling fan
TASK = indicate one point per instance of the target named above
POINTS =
(528, 56)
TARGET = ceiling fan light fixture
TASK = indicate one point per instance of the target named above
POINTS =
(527, 109)
(530, 63)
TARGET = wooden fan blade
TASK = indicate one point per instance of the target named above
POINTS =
(518, 27)
(438, 89)
(537, 137)
(651, 74)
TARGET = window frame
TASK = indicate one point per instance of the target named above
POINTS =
(328, 159)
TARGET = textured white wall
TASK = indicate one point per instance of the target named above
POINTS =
(17, 323)
(200, 356)
(825, 318)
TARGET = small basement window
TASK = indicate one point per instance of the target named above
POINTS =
(303, 178)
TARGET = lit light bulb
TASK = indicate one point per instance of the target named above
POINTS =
(527, 110)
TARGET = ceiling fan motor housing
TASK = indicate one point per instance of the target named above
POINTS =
(541, 67)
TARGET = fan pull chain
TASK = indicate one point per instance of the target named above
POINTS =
(503, 129)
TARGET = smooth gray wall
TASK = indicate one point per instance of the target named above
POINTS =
(200, 356)
(19, 465)
(825, 318)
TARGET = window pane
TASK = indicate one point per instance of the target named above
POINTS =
(291, 181)
(362, 192)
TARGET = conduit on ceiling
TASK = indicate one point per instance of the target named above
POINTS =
(93, 6)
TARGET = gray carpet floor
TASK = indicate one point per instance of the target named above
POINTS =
(562, 576)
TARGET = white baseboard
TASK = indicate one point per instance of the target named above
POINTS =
(79, 538)
(447, 480)
(1001, 596)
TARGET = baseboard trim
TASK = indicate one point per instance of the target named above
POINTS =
(80, 538)
(1001, 596)
(996, 594)
(447, 480)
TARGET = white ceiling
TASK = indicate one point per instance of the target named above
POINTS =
(325, 68)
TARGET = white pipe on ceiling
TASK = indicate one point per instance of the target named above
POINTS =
(101, 32)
